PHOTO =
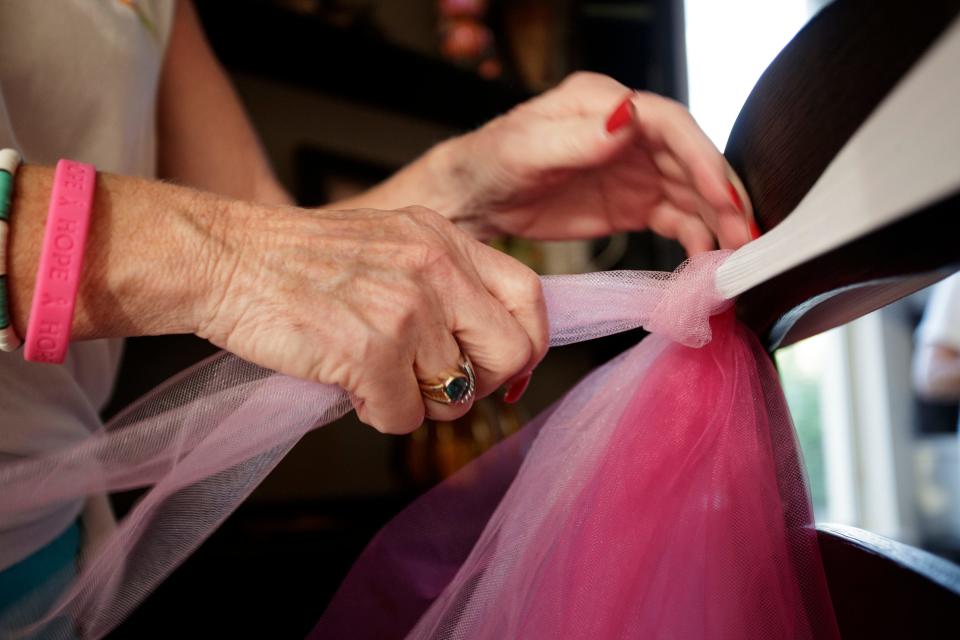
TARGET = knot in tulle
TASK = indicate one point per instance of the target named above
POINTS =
(676, 305)
(688, 300)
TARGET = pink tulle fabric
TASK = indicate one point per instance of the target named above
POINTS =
(662, 497)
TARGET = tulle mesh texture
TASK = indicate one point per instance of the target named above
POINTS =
(676, 305)
(203, 442)
(662, 497)
(665, 488)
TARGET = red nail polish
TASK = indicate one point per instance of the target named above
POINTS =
(735, 196)
(516, 389)
(754, 230)
(622, 115)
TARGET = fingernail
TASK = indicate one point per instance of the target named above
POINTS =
(622, 115)
(754, 230)
(516, 389)
(735, 197)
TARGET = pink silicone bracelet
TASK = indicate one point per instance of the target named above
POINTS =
(61, 258)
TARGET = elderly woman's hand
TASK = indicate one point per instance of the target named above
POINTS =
(372, 301)
(590, 158)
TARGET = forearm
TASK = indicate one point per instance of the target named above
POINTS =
(439, 180)
(208, 142)
(148, 262)
(205, 138)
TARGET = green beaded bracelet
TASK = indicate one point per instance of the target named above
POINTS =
(9, 161)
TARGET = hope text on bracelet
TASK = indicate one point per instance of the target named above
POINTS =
(61, 259)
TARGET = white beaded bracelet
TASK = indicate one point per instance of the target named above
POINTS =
(9, 162)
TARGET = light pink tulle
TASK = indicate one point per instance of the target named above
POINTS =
(662, 496)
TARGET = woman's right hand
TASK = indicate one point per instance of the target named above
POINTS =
(372, 301)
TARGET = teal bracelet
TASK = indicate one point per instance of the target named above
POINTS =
(9, 162)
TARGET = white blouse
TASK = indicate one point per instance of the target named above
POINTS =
(78, 80)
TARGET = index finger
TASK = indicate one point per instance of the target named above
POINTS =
(668, 124)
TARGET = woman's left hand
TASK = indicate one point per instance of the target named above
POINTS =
(591, 158)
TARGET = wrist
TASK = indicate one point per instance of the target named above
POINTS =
(461, 184)
(213, 231)
(457, 182)
(234, 236)
(447, 179)
(148, 263)
(150, 266)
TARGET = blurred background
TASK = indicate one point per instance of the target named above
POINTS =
(345, 92)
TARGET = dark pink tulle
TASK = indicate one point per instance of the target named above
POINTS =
(662, 497)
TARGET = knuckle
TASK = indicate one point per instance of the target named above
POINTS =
(386, 427)
(373, 354)
(646, 96)
(591, 81)
(397, 327)
(523, 354)
(576, 146)
(389, 410)
(406, 306)
(402, 424)
(665, 107)
(449, 412)
(419, 213)
(531, 286)
(677, 109)
(516, 356)
(579, 78)
(382, 424)
(431, 258)
(539, 347)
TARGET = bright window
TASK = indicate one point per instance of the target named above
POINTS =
(729, 43)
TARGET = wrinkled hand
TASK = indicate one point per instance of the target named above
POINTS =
(371, 301)
(591, 158)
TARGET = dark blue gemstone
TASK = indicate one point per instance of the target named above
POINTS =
(457, 389)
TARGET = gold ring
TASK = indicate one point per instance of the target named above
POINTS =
(453, 388)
